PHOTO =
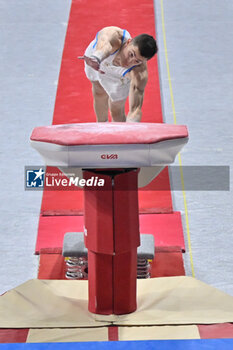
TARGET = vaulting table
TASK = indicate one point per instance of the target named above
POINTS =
(126, 156)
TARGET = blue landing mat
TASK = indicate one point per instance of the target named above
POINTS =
(202, 344)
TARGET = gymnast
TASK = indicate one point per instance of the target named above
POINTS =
(116, 65)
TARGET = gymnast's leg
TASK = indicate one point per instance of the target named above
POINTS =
(117, 109)
(100, 102)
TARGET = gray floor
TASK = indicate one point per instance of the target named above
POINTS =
(200, 48)
(31, 43)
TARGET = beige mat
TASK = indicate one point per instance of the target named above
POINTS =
(47, 303)
(161, 301)
(158, 332)
(54, 335)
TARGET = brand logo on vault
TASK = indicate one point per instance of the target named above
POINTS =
(35, 178)
(109, 156)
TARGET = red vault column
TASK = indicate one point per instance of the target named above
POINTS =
(112, 237)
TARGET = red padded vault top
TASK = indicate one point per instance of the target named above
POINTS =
(108, 133)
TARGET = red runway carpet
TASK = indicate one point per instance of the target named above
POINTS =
(74, 101)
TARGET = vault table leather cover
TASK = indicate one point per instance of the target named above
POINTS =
(114, 145)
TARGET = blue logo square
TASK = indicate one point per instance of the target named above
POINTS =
(35, 178)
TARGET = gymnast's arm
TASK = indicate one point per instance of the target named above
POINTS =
(139, 78)
(109, 40)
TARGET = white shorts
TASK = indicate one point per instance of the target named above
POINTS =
(117, 88)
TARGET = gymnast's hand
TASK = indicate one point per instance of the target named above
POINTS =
(93, 62)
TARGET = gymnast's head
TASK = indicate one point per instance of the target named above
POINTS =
(139, 49)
